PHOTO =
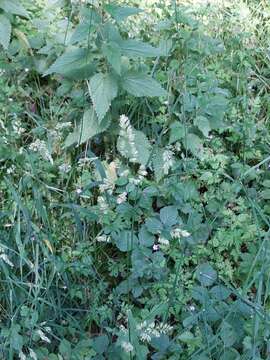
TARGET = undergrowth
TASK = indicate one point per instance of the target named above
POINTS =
(134, 183)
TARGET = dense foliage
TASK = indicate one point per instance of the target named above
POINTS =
(134, 182)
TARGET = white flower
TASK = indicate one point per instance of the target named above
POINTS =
(127, 346)
(5, 258)
(78, 191)
(177, 233)
(65, 125)
(64, 168)
(128, 132)
(11, 169)
(26, 70)
(103, 238)
(122, 198)
(22, 356)
(41, 147)
(168, 160)
(10, 99)
(43, 336)
(163, 241)
(102, 204)
(155, 247)
(32, 354)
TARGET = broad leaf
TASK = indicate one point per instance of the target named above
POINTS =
(169, 215)
(5, 31)
(206, 274)
(120, 13)
(139, 84)
(177, 132)
(194, 144)
(103, 89)
(81, 32)
(112, 52)
(88, 128)
(203, 124)
(73, 63)
(13, 7)
(125, 241)
(133, 48)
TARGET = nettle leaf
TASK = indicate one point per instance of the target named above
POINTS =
(89, 127)
(112, 52)
(206, 274)
(139, 84)
(120, 13)
(177, 132)
(134, 48)
(73, 63)
(13, 7)
(202, 124)
(125, 241)
(5, 31)
(158, 164)
(169, 215)
(194, 144)
(103, 89)
(81, 32)
(137, 151)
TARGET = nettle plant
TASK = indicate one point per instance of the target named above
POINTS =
(110, 66)
(8, 10)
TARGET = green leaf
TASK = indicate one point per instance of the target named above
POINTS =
(194, 144)
(177, 132)
(13, 7)
(81, 32)
(73, 63)
(220, 292)
(89, 127)
(120, 13)
(5, 31)
(134, 48)
(169, 215)
(153, 225)
(203, 125)
(101, 343)
(158, 164)
(139, 84)
(125, 241)
(137, 151)
(228, 334)
(103, 89)
(265, 194)
(206, 274)
(112, 52)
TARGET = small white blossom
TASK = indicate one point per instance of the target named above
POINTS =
(32, 354)
(177, 233)
(40, 147)
(122, 198)
(163, 241)
(26, 70)
(22, 356)
(102, 204)
(128, 132)
(168, 161)
(5, 258)
(11, 169)
(155, 247)
(127, 346)
(103, 238)
(64, 168)
(43, 336)
(65, 125)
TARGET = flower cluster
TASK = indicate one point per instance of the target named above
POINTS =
(40, 147)
(147, 331)
(128, 132)
(177, 233)
(168, 160)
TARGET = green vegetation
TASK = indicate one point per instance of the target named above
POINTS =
(134, 181)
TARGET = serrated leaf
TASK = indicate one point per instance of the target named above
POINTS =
(81, 32)
(138, 151)
(120, 13)
(202, 124)
(103, 89)
(206, 274)
(73, 63)
(194, 144)
(89, 127)
(169, 215)
(177, 132)
(112, 52)
(158, 164)
(135, 48)
(139, 84)
(125, 241)
(5, 31)
(13, 7)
